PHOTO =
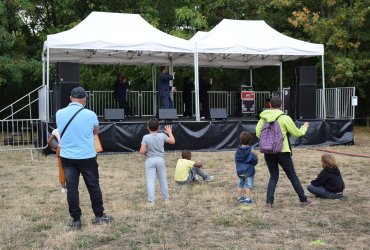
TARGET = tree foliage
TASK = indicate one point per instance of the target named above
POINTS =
(341, 25)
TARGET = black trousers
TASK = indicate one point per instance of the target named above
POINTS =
(88, 168)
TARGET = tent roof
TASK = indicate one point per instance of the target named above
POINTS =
(117, 38)
(239, 43)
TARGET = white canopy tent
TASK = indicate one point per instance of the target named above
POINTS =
(116, 38)
(249, 44)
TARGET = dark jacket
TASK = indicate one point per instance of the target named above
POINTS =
(330, 179)
(164, 87)
(245, 161)
(120, 90)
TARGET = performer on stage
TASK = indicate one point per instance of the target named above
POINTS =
(187, 87)
(121, 89)
(165, 89)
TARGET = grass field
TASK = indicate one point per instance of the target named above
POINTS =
(34, 213)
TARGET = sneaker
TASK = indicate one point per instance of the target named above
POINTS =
(104, 219)
(75, 224)
(209, 178)
(241, 199)
(150, 203)
(306, 203)
(249, 201)
(63, 190)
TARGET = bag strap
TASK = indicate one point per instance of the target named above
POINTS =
(69, 122)
(278, 117)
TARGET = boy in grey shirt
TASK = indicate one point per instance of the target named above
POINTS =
(152, 146)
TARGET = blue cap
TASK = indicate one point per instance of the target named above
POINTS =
(78, 93)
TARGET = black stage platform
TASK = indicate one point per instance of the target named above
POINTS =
(126, 136)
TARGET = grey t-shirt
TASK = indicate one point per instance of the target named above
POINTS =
(155, 144)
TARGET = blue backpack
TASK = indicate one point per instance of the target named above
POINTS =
(271, 139)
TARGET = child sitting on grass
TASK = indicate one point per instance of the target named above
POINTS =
(329, 183)
(186, 170)
(245, 161)
(152, 146)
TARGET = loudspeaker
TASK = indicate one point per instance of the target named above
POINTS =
(306, 75)
(303, 102)
(61, 94)
(167, 114)
(219, 114)
(67, 72)
(114, 114)
(307, 102)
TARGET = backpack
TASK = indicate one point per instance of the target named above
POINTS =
(271, 140)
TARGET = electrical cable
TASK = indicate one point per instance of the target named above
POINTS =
(340, 153)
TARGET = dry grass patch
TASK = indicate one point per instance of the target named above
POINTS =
(200, 216)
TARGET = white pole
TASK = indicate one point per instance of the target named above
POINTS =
(251, 77)
(196, 85)
(323, 86)
(171, 73)
(47, 84)
(154, 83)
(281, 84)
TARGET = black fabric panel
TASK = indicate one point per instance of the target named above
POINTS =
(219, 135)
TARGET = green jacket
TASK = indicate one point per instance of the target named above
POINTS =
(286, 124)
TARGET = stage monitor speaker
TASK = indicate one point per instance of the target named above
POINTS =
(218, 114)
(114, 114)
(306, 75)
(167, 114)
(61, 94)
(67, 72)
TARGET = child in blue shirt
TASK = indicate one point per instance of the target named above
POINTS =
(245, 161)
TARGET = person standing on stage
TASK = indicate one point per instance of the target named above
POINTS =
(187, 87)
(283, 158)
(121, 89)
(78, 126)
(204, 87)
(165, 89)
(119, 94)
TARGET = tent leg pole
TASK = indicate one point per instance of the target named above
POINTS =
(196, 86)
(323, 86)
(281, 83)
(154, 79)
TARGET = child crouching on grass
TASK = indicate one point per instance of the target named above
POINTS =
(186, 170)
(152, 146)
(329, 183)
(245, 161)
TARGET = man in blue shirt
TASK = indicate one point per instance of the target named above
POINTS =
(79, 157)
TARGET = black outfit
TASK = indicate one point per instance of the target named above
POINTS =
(121, 96)
(329, 184)
(285, 161)
(204, 87)
(187, 87)
(88, 168)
